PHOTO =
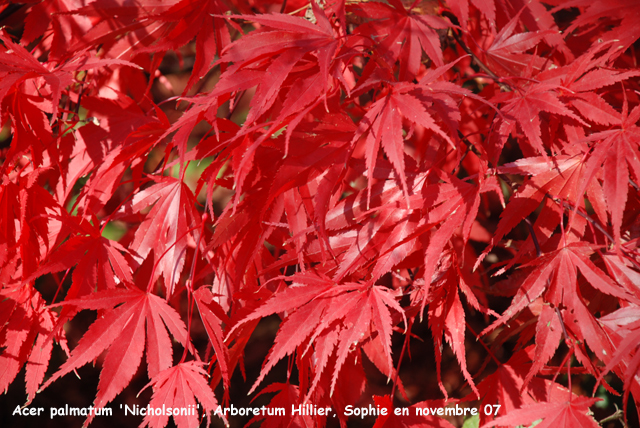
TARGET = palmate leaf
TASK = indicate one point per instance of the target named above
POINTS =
(624, 13)
(20, 65)
(27, 233)
(461, 9)
(25, 333)
(581, 79)
(100, 264)
(525, 109)
(287, 396)
(121, 331)
(166, 229)
(50, 17)
(623, 328)
(617, 152)
(404, 34)
(317, 306)
(213, 317)
(446, 315)
(569, 414)
(507, 50)
(178, 388)
(383, 124)
(556, 280)
(267, 59)
(562, 180)
(288, 42)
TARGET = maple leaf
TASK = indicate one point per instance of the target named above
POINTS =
(572, 414)
(9, 203)
(504, 386)
(125, 30)
(446, 315)
(132, 134)
(26, 326)
(121, 330)
(599, 12)
(507, 49)
(179, 387)
(562, 181)
(453, 205)
(19, 65)
(286, 41)
(525, 108)
(53, 17)
(383, 126)
(556, 280)
(617, 152)
(167, 227)
(580, 80)
(623, 326)
(35, 229)
(184, 21)
(404, 35)
(383, 121)
(316, 307)
(99, 262)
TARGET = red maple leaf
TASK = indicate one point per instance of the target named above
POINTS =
(402, 34)
(26, 334)
(329, 317)
(623, 327)
(571, 414)
(178, 388)
(166, 230)
(122, 332)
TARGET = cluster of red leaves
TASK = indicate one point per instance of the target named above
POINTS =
(399, 163)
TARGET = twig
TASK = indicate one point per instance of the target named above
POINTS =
(504, 86)
(617, 416)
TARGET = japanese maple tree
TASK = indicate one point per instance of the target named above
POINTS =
(338, 203)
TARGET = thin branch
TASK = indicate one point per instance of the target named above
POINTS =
(617, 416)
(504, 86)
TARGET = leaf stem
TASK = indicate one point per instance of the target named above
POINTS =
(533, 237)
(404, 347)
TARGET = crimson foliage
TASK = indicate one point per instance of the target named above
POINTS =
(363, 170)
